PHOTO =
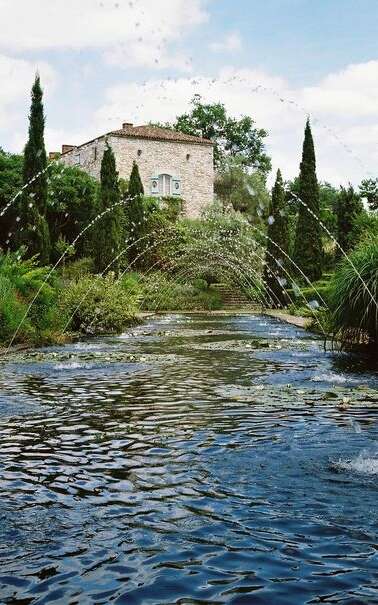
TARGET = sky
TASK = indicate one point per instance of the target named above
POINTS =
(104, 62)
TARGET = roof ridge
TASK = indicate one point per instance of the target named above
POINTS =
(151, 132)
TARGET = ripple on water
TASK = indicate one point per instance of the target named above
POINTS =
(183, 482)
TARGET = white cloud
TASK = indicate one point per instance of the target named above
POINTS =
(231, 43)
(16, 77)
(136, 32)
(351, 92)
(346, 148)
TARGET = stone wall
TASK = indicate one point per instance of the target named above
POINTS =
(191, 163)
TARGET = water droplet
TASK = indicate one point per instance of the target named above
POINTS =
(296, 289)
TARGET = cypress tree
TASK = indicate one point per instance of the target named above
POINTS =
(348, 207)
(135, 212)
(278, 232)
(108, 234)
(308, 250)
(34, 231)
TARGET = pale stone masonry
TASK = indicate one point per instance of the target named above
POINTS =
(170, 163)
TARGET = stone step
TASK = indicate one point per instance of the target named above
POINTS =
(234, 299)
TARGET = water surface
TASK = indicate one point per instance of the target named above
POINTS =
(191, 460)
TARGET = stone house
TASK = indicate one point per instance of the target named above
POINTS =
(170, 163)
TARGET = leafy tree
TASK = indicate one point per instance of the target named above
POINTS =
(308, 251)
(349, 207)
(243, 191)
(369, 189)
(109, 229)
(231, 137)
(365, 226)
(71, 204)
(34, 232)
(328, 196)
(135, 213)
(278, 232)
(10, 185)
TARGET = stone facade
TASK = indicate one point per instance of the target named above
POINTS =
(170, 163)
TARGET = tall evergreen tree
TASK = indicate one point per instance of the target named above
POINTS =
(109, 229)
(278, 232)
(135, 212)
(348, 208)
(34, 230)
(308, 251)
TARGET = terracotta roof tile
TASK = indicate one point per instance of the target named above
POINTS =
(159, 134)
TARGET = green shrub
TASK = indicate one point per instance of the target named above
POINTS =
(78, 268)
(355, 314)
(12, 311)
(98, 305)
(165, 293)
(20, 281)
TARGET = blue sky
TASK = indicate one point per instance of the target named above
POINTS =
(301, 39)
(107, 61)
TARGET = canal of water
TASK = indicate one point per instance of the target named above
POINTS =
(191, 460)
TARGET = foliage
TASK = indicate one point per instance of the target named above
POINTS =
(34, 231)
(328, 196)
(308, 252)
(99, 304)
(231, 137)
(315, 294)
(369, 189)
(278, 237)
(135, 189)
(243, 191)
(10, 184)
(355, 314)
(156, 230)
(135, 213)
(365, 225)
(20, 281)
(78, 268)
(164, 292)
(349, 207)
(109, 229)
(221, 246)
(72, 203)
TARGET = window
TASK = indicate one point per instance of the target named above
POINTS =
(77, 159)
(165, 185)
(95, 154)
(139, 152)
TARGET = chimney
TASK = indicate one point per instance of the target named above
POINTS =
(127, 125)
(66, 148)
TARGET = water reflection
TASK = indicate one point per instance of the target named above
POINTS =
(233, 461)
